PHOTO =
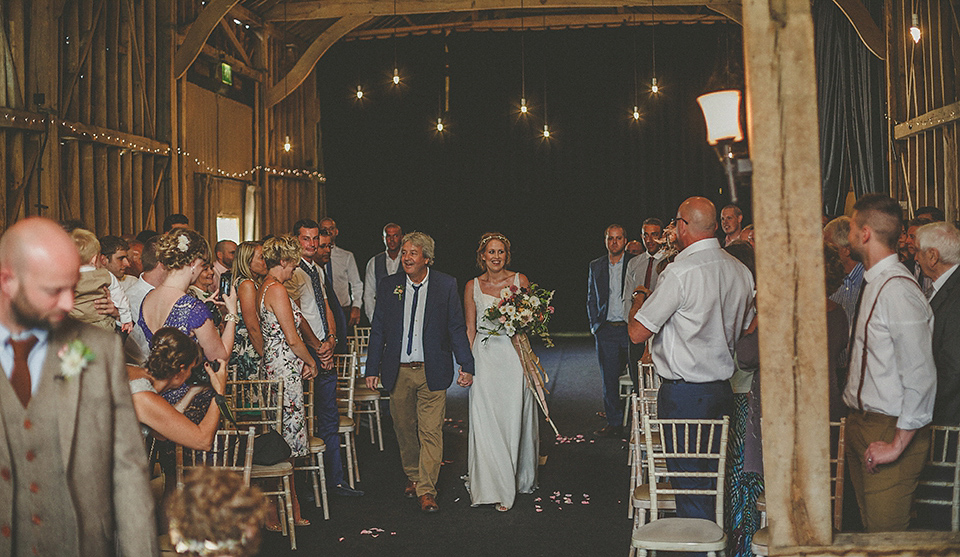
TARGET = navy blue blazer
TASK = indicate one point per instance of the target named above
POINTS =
(444, 332)
(598, 289)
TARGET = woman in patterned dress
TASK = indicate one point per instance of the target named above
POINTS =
(285, 355)
(248, 271)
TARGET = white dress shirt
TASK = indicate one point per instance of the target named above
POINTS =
(136, 348)
(308, 301)
(703, 302)
(636, 272)
(938, 284)
(901, 377)
(117, 295)
(416, 354)
(346, 278)
(370, 280)
(34, 360)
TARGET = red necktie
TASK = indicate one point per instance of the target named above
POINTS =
(646, 279)
(20, 379)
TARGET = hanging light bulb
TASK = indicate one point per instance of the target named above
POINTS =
(523, 106)
(636, 113)
(396, 76)
(654, 88)
(915, 29)
(439, 124)
(546, 131)
(286, 144)
(359, 91)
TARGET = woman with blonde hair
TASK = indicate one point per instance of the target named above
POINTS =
(285, 355)
(248, 272)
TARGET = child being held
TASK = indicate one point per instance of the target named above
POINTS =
(95, 283)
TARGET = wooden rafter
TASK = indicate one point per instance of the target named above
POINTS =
(147, 110)
(305, 64)
(325, 9)
(865, 26)
(933, 119)
(235, 42)
(198, 34)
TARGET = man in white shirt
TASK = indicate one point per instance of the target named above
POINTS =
(892, 380)
(224, 251)
(135, 347)
(731, 219)
(383, 264)
(703, 302)
(342, 271)
(642, 271)
(938, 253)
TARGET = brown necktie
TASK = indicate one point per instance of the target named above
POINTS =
(20, 379)
(646, 279)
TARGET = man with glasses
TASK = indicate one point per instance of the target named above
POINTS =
(702, 303)
(606, 312)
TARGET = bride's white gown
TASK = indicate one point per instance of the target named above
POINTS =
(504, 438)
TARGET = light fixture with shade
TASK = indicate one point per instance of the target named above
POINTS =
(915, 29)
(721, 110)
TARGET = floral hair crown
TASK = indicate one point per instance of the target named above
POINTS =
(486, 239)
(203, 547)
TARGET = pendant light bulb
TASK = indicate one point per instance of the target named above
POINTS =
(523, 106)
(439, 124)
(915, 29)
(636, 113)
(359, 91)
(396, 76)
(286, 144)
(654, 88)
(546, 131)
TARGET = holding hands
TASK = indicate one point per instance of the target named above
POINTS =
(464, 379)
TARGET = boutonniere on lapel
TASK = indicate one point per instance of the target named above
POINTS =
(74, 357)
(399, 292)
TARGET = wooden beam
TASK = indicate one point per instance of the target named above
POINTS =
(327, 9)
(865, 26)
(85, 51)
(733, 12)
(105, 136)
(933, 119)
(782, 117)
(22, 120)
(305, 64)
(199, 32)
(533, 24)
(232, 37)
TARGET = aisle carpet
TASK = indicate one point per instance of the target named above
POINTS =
(579, 509)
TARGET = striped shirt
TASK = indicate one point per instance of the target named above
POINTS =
(847, 294)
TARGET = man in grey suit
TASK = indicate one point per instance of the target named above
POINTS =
(938, 253)
(73, 468)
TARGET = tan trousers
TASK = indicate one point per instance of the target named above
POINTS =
(418, 416)
(885, 497)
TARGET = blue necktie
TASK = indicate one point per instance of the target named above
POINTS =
(413, 317)
(317, 293)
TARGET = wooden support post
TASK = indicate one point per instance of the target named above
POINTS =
(44, 78)
(782, 117)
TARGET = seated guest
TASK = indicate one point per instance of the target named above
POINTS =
(248, 271)
(184, 254)
(216, 515)
(94, 284)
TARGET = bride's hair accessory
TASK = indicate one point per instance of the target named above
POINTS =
(484, 240)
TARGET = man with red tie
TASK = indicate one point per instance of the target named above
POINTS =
(642, 271)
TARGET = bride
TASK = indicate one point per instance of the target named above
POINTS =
(504, 440)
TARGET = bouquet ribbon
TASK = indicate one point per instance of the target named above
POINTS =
(533, 372)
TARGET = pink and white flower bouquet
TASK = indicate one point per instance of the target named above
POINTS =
(524, 310)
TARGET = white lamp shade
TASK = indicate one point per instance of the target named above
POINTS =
(721, 110)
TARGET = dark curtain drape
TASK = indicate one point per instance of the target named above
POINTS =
(850, 87)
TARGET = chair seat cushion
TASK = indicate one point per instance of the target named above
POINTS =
(365, 394)
(680, 534)
(641, 497)
(316, 444)
(761, 539)
(346, 423)
(283, 468)
(762, 501)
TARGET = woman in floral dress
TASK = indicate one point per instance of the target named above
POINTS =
(285, 355)
(248, 271)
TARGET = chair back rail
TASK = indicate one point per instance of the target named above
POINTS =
(345, 366)
(944, 463)
(232, 449)
(257, 402)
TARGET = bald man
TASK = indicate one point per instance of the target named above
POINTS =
(72, 461)
(702, 303)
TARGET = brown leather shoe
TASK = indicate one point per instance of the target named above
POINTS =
(428, 504)
(411, 490)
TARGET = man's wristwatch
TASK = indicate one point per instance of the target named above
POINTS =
(328, 337)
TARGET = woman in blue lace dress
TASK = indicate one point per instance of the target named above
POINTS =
(184, 254)
(248, 272)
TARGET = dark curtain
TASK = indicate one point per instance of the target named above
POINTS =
(850, 87)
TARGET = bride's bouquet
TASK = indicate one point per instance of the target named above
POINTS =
(524, 310)
(520, 312)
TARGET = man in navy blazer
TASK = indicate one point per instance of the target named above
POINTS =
(418, 327)
(607, 312)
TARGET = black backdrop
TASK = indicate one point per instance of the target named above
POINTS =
(490, 169)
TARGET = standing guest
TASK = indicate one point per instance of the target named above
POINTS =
(747, 235)
(928, 214)
(926, 284)
(113, 257)
(184, 254)
(504, 438)
(248, 271)
(938, 253)
(224, 251)
(634, 247)
(703, 301)
(342, 272)
(413, 356)
(892, 379)
(176, 220)
(135, 258)
(385, 263)
(136, 347)
(642, 271)
(309, 290)
(76, 473)
(145, 235)
(285, 356)
(606, 286)
(837, 234)
(731, 218)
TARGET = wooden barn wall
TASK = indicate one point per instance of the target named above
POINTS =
(923, 93)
